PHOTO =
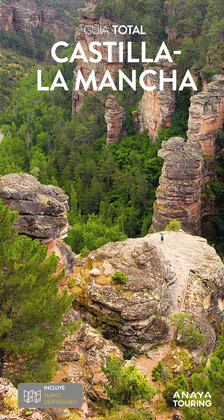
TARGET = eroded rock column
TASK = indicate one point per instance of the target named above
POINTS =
(206, 115)
(157, 106)
(114, 117)
(91, 28)
(179, 191)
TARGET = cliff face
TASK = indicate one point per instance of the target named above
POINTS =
(183, 172)
(206, 115)
(157, 106)
(42, 213)
(88, 24)
(27, 14)
(136, 314)
(114, 117)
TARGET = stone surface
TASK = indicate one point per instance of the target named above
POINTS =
(179, 193)
(114, 117)
(42, 213)
(157, 106)
(88, 17)
(137, 314)
(95, 272)
(27, 14)
(91, 351)
(184, 171)
(206, 115)
(9, 404)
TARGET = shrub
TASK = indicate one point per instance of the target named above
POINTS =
(179, 383)
(174, 225)
(119, 277)
(125, 385)
(160, 373)
(189, 336)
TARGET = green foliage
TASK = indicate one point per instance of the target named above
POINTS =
(211, 380)
(148, 13)
(159, 373)
(70, 6)
(91, 234)
(31, 308)
(189, 336)
(179, 384)
(174, 225)
(43, 139)
(119, 277)
(125, 385)
(127, 413)
(16, 40)
(215, 193)
(43, 40)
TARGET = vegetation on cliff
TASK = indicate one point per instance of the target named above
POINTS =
(195, 26)
(116, 183)
(31, 308)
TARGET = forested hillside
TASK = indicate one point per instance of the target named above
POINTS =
(112, 189)
(158, 298)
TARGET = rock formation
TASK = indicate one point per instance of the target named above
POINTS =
(206, 115)
(27, 14)
(42, 213)
(114, 117)
(184, 172)
(83, 354)
(88, 19)
(9, 404)
(136, 314)
(179, 191)
(157, 106)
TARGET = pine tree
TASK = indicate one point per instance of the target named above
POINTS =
(31, 307)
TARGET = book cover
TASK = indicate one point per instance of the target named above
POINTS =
(111, 212)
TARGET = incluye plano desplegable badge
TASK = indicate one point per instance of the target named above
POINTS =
(48, 395)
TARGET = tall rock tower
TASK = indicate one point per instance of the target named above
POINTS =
(184, 172)
(90, 29)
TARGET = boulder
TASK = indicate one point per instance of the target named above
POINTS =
(42, 213)
(137, 314)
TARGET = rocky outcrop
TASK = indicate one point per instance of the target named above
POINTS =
(9, 404)
(42, 213)
(80, 361)
(157, 106)
(179, 191)
(114, 117)
(136, 314)
(184, 172)
(27, 14)
(84, 352)
(88, 19)
(206, 115)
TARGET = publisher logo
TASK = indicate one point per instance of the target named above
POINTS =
(192, 399)
(50, 395)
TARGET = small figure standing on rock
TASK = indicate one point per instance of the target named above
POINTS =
(162, 237)
(178, 300)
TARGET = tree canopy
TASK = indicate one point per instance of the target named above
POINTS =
(31, 307)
